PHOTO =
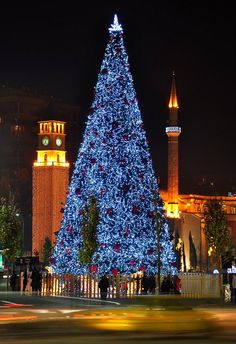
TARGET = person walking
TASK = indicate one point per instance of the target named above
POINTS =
(25, 279)
(152, 284)
(13, 281)
(177, 285)
(35, 276)
(145, 284)
(103, 285)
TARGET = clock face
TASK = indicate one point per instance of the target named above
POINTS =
(45, 140)
(58, 142)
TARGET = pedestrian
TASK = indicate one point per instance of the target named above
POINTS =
(124, 287)
(137, 284)
(35, 283)
(13, 280)
(167, 285)
(177, 285)
(164, 285)
(152, 284)
(234, 288)
(145, 284)
(25, 280)
(103, 285)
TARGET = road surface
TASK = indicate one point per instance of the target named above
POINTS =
(34, 319)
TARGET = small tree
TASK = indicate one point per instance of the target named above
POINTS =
(89, 232)
(10, 228)
(192, 252)
(47, 251)
(217, 234)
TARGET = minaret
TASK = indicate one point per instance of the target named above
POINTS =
(50, 181)
(173, 132)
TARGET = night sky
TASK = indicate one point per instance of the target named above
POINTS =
(57, 49)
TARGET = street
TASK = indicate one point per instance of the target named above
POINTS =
(36, 319)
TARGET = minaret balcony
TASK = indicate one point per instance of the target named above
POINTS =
(173, 130)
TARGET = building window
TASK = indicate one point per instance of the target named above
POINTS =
(45, 158)
(58, 158)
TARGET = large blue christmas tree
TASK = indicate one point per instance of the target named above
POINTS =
(114, 167)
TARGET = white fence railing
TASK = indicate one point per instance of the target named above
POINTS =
(193, 285)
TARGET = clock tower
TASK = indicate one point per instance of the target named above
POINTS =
(50, 182)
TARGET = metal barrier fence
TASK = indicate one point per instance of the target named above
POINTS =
(193, 285)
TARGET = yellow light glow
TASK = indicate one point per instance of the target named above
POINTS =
(173, 103)
(51, 127)
(210, 251)
(51, 158)
(172, 210)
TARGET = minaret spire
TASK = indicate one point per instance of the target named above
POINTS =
(173, 132)
(173, 102)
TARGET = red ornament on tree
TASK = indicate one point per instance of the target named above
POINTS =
(69, 229)
(104, 142)
(114, 124)
(140, 176)
(81, 212)
(151, 214)
(125, 137)
(114, 271)
(68, 251)
(142, 268)
(125, 188)
(102, 245)
(135, 210)
(109, 211)
(132, 262)
(52, 261)
(101, 168)
(93, 161)
(93, 268)
(104, 71)
(126, 232)
(117, 248)
(92, 144)
(78, 192)
(142, 197)
(149, 251)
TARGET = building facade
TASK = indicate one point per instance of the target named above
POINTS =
(20, 111)
(186, 212)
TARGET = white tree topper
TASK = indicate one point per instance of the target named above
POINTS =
(115, 26)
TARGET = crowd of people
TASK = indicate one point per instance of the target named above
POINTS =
(29, 279)
(144, 285)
